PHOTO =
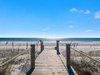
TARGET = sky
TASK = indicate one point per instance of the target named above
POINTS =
(50, 18)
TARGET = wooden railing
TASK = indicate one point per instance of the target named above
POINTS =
(13, 58)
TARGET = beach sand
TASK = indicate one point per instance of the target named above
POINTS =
(7, 47)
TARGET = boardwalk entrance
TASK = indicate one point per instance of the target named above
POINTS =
(48, 62)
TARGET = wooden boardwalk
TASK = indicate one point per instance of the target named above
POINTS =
(48, 62)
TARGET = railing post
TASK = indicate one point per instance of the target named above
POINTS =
(12, 51)
(27, 45)
(57, 45)
(42, 46)
(67, 55)
(33, 56)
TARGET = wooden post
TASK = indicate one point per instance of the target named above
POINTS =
(67, 55)
(12, 51)
(42, 46)
(33, 56)
(27, 45)
(57, 45)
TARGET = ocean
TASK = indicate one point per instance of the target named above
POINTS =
(46, 39)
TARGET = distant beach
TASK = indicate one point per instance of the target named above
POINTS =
(47, 39)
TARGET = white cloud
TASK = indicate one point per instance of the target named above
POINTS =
(79, 11)
(87, 12)
(89, 30)
(70, 26)
(73, 10)
(97, 14)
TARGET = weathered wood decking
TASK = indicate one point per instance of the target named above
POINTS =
(48, 62)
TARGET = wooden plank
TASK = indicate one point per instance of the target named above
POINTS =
(48, 62)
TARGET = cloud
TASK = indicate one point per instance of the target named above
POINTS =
(73, 10)
(89, 30)
(79, 11)
(70, 26)
(87, 12)
(97, 15)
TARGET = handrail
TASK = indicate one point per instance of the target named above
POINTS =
(12, 58)
(79, 44)
(86, 55)
(62, 62)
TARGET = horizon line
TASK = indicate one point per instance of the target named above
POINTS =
(49, 37)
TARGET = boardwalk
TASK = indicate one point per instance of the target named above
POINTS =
(48, 62)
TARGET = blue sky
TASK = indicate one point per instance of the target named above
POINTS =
(50, 18)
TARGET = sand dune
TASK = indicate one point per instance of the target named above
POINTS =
(19, 64)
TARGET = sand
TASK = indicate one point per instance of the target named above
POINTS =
(19, 64)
